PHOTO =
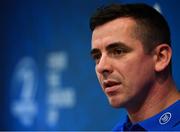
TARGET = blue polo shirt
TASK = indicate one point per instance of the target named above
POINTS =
(168, 120)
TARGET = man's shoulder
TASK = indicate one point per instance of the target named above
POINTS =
(168, 119)
(118, 127)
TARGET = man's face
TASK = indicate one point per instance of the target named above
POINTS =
(123, 69)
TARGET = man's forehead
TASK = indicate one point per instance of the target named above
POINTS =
(124, 22)
(106, 32)
(101, 40)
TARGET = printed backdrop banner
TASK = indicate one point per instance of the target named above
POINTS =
(47, 76)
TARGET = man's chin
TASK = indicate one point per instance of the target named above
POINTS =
(116, 104)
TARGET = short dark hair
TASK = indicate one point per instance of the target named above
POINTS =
(151, 27)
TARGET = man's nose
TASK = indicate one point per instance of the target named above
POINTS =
(104, 67)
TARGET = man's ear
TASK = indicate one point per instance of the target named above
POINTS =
(163, 54)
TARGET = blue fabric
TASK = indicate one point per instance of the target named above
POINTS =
(168, 119)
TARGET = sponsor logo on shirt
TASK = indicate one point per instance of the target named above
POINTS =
(165, 118)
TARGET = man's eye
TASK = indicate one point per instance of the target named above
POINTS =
(96, 57)
(118, 51)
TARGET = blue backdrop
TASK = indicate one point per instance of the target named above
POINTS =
(47, 76)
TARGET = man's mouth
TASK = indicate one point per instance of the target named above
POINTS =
(111, 86)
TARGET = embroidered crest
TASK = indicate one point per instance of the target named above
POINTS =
(165, 118)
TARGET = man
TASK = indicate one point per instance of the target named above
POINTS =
(132, 53)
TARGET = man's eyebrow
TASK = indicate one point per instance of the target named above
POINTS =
(94, 51)
(111, 46)
(116, 45)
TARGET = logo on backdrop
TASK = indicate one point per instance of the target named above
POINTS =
(25, 106)
(58, 97)
(24, 83)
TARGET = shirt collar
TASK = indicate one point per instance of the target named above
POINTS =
(168, 119)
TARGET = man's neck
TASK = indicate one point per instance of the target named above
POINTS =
(158, 99)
